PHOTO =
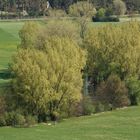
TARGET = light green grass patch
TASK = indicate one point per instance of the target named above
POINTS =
(122, 124)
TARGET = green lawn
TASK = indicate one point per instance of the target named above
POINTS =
(8, 41)
(118, 125)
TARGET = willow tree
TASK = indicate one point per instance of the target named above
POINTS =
(113, 49)
(47, 80)
(29, 34)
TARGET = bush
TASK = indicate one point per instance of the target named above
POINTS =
(31, 120)
(9, 117)
(133, 85)
(43, 117)
(104, 15)
(19, 120)
(87, 105)
(101, 13)
(2, 105)
(99, 108)
(55, 116)
(109, 12)
(105, 19)
(14, 119)
(2, 121)
(113, 93)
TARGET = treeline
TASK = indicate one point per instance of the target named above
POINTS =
(23, 8)
(67, 68)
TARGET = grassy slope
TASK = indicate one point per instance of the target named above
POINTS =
(8, 41)
(118, 125)
(8, 44)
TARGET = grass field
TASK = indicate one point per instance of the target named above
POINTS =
(117, 125)
(8, 41)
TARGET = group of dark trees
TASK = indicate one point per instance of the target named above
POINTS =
(16, 8)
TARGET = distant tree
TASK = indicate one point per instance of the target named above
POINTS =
(101, 13)
(132, 5)
(103, 3)
(109, 12)
(119, 7)
(82, 8)
(44, 6)
(12, 5)
(56, 13)
(63, 4)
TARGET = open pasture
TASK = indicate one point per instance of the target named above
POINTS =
(122, 124)
(8, 41)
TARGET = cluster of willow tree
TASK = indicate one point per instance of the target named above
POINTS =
(15, 8)
(52, 61)
(113, 63)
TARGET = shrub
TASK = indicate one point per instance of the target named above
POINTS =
(101, 13)
(14, 119)
(99, 107)
(9, 117)
(31, 120)
(109, 12)
(113, 92)
(87, 105)
(19, 120)
(55, 116)
(133, 85)
(105, 19)
(2, 105)
(2, 121)
(43, 117)
(104, 15)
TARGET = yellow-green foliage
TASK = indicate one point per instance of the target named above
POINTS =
(56, 13)
(46, 79)
(28, 34)
(63, 28)
(114, 49)
(82, 8)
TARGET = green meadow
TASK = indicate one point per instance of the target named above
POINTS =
(121, 124)
(8, 41)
